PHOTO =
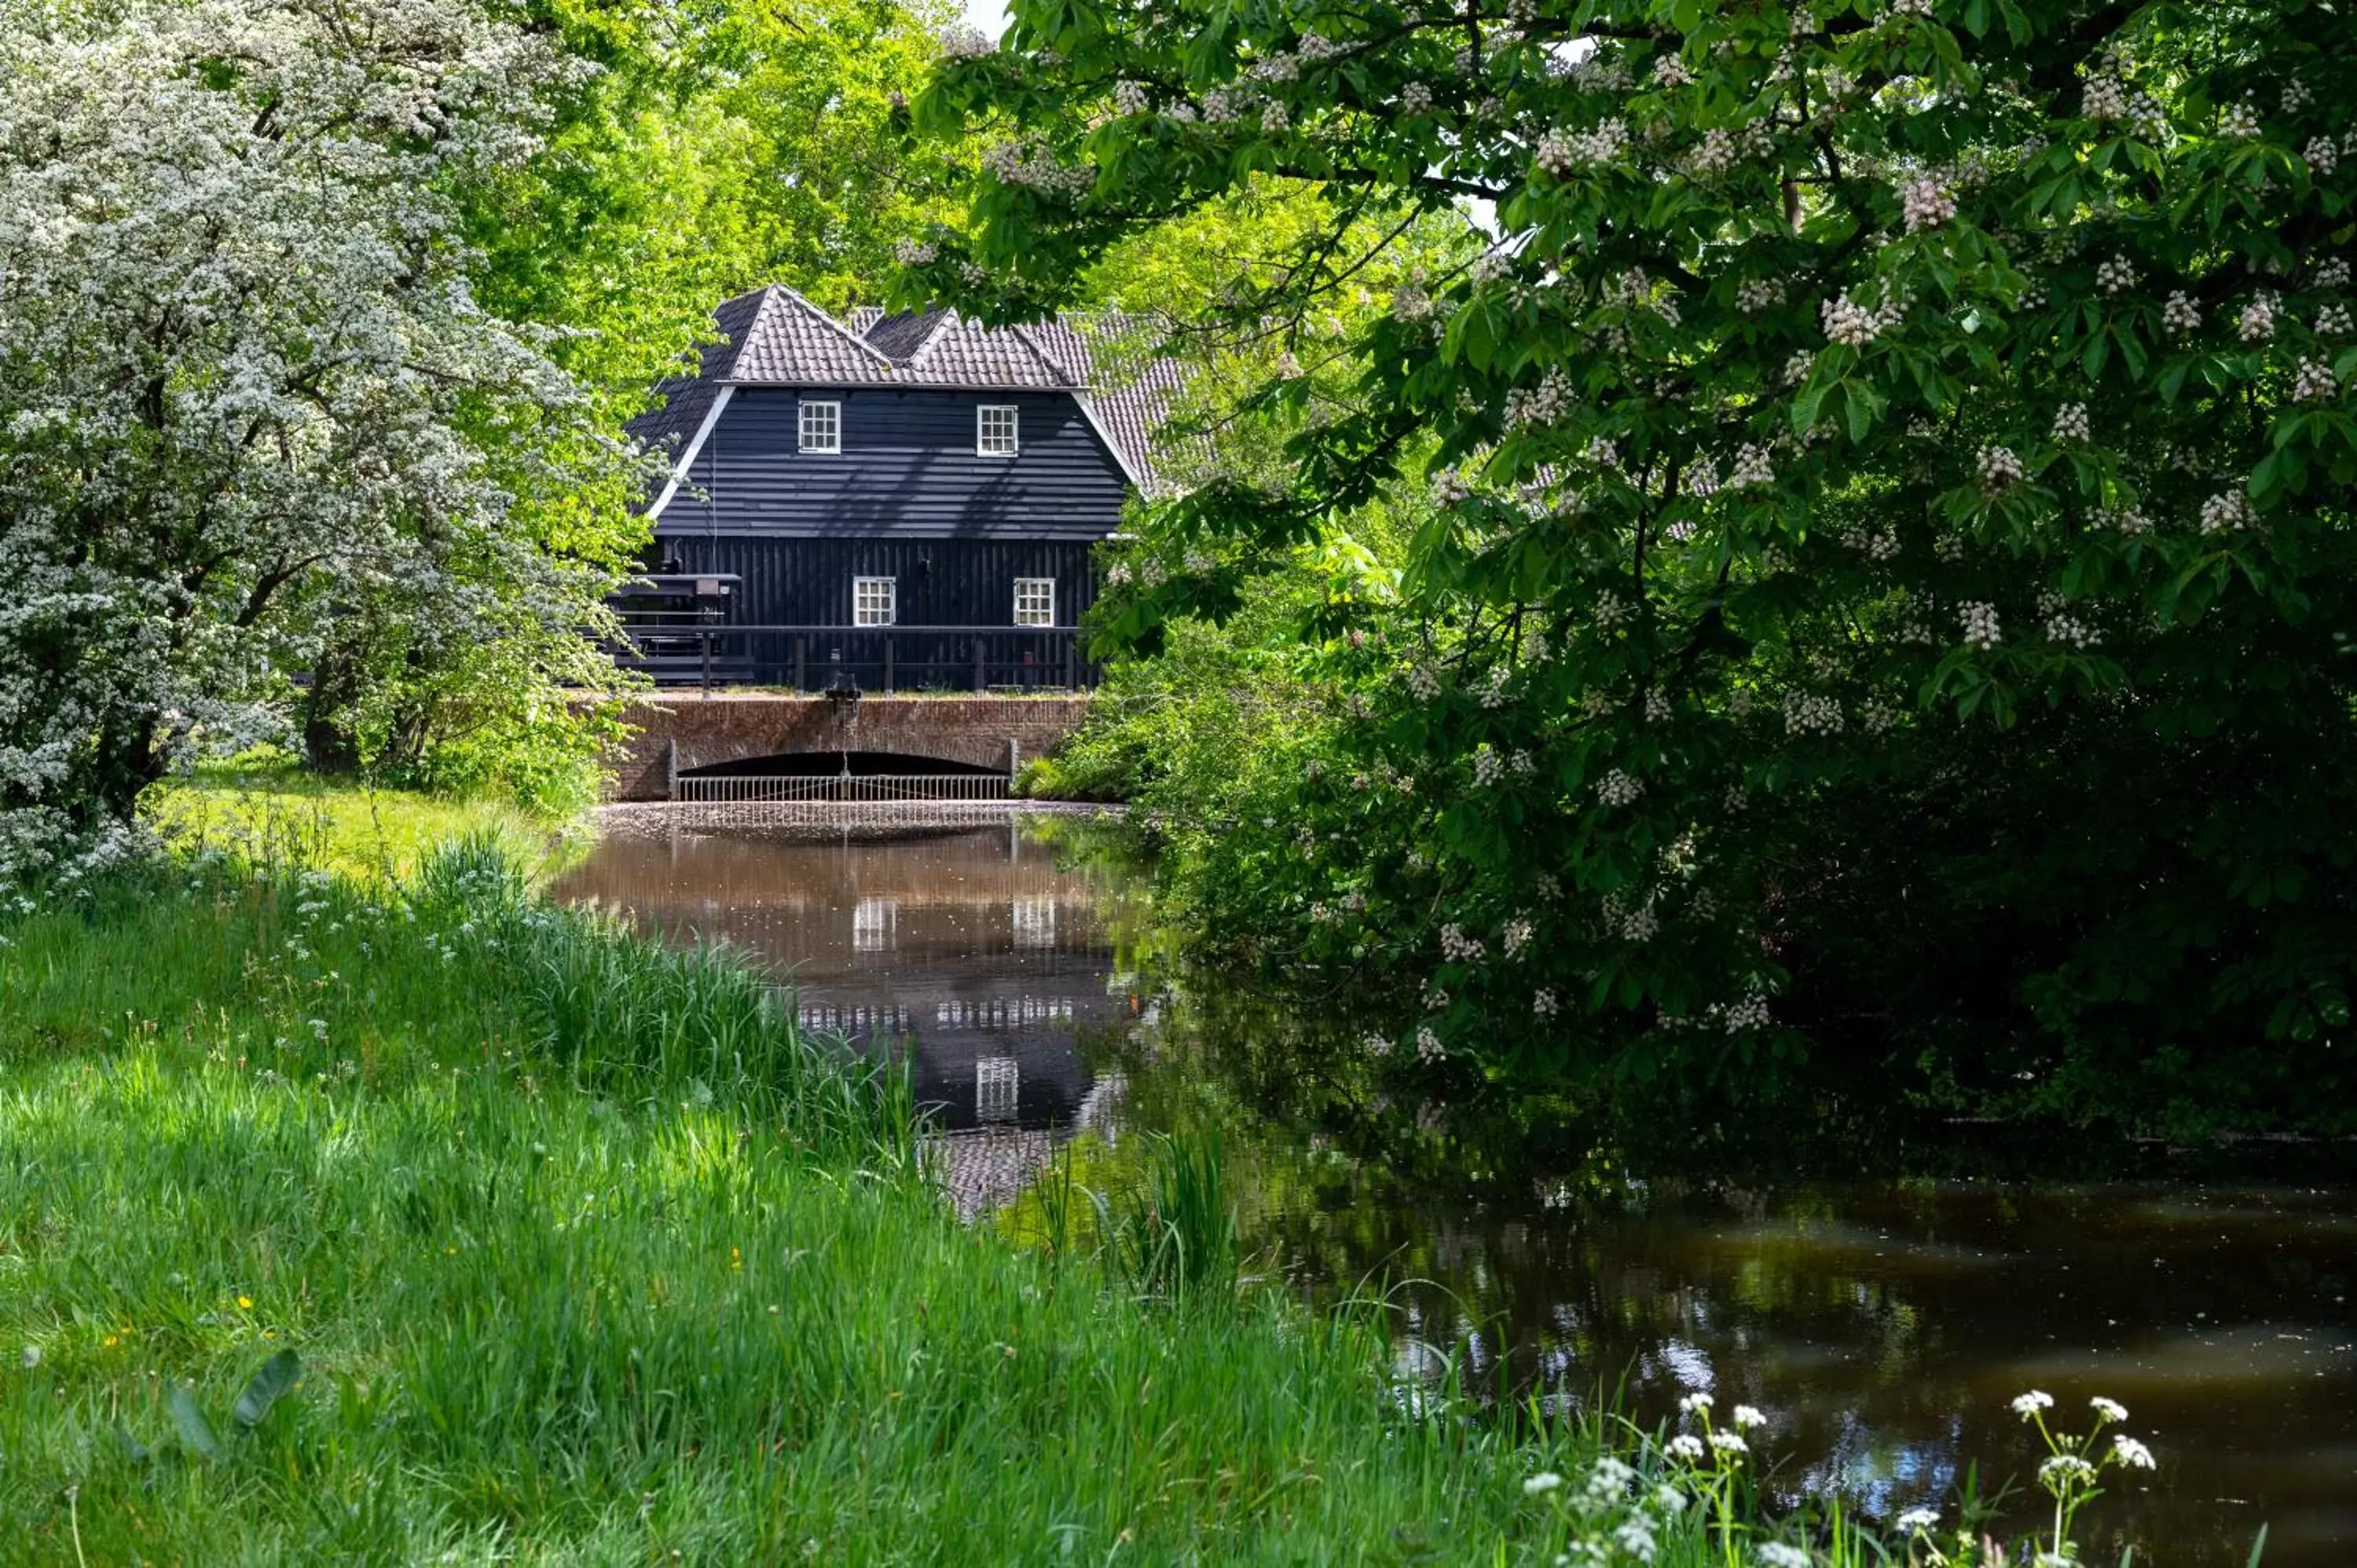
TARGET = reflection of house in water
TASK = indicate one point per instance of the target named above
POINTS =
(971, 950)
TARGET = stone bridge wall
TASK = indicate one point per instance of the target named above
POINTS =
(706, 731)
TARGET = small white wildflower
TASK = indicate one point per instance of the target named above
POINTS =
(1916, 1520)
(2131, 1452)
(1730, 1443)
(32, 1357)
(1544, 1482)
(1685, 1445)
(2066, 1470)
(2109, 1410)
(1748, 1416)
(1693, 1403)
(1776, 1554)
(2033, 1401)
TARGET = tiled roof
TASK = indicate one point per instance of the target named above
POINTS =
(773, 337)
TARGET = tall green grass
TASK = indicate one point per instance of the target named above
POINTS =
(584, 1254)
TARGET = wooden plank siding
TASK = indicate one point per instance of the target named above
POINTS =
(908, 469)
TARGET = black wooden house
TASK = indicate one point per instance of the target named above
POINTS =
(901, 501)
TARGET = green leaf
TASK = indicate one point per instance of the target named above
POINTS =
(278, 1375)
(2257, 1548)
(196, 1432)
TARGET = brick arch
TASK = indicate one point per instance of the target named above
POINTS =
(682, 734)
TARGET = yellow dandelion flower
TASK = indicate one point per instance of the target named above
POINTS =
(245, 1303)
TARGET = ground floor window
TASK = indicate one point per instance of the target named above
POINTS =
(1035, 601)
(875, 601)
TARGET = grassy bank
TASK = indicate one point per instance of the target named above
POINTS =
(583, 1254)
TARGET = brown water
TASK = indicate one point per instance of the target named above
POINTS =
(1883, 1323)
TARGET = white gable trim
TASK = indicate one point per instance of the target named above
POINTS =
(687, 457)
(1128, 470)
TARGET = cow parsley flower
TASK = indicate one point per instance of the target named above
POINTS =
(1544, 1482)
(2035, 1400)
(1693, 1403)
(2066, 1470)
(1916, 1520)
(2128, 1451)
(1748, 1416)
(1776, 1554)
(1685, 1445)
(2109, 1410)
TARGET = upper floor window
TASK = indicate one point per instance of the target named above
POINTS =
(995, 430)
(875, 601)
(1035, 601)
(821, 426)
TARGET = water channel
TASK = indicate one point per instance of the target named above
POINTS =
(1883, 1323)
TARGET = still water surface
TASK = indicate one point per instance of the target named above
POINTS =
(1882, 1323)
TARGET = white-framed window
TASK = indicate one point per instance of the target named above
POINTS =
(1035, 601)
(875, 601)
(996, 433)
(821, 426)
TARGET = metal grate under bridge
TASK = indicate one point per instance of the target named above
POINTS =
(837, 789)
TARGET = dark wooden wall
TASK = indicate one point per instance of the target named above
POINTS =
(907, 468)
(942, 581)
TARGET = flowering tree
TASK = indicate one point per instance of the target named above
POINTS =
(245, 394)
(1889, 548)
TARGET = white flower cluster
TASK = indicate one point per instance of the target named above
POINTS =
(2321, 154)
(2180, 314)
(2226, 510)
(2333, 272)
(1877, 716)
(2333, 320)
(1669, 71)
(1796, 366)
(1612, 609)
(1448, 488)
(1033, 164)
(1847, 321)
(1911, 7)
(1751, 1013)
(1517, 935)
(1543, 1003)
(1811, 712)
(1559, 152)
(2258, 323)
(1534, 645)
(1130, 98)
(2071, 631)
(1279, 66)
(1376, 1045)
(2123, 519)
(1274, 118)
(965, 41)
(2107, 98)
(1701, 478)
(1220, 108)
(1926, 204)
(1778, 1554)
(1637, 924)
(1493, 690)
(1455, 947)
(1758, 294)
(2239, 119)
(1423, 683)
(1428, 1048)
(1416, 98)
(1998, 468)
(2070, 422)
(1410, 304)
(1753, 467)
(2314, 382)
(1617, 789)
(2116, 275)
(1914, 1522)
(1980, 620)
(1529, 408)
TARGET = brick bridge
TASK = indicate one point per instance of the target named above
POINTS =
(678, 735)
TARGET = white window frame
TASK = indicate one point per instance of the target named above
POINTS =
(1037, 614)
(982, 436)
(833, 446)
(884, 611)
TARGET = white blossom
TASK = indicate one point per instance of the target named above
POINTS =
(2104, 99)
(2116, 275)
(2180, 314)
(963, 40)
(1980, 624)
(1926, 204)
(2070, 422)
(2259, 322)
(1916, 1520)
(2128, 1451)
(2030, 1403)
(1776, 1554)
(2314, 382)
(1998, 468)
(915, 253)
(1428, 1048)
(2321, 154)
(2226, 510)
(1617, 789)
(1543, 1003)
(1130, 97)
(1748, 1416)
(2239, 119)
(1416, 98)
(2333, 321)
(1753, 467)
(1544, 1482)
(2108, 1409)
